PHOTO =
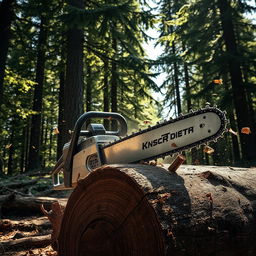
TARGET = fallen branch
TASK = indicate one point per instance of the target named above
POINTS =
(25, 225)
(13, 191)
(26, 243)
(18, 184)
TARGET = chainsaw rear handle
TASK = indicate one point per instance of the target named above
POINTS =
(77, 132)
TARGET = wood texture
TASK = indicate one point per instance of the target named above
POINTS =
(146, 210)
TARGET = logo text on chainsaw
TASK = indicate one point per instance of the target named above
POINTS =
(167, 137)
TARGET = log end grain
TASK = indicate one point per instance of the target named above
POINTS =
(108, 214)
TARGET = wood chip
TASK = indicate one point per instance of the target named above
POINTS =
(233, 132)
(56, 131)
(179, 160)
(246, 130)
(208, 150)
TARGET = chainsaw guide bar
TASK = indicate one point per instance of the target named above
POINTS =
(164, 139)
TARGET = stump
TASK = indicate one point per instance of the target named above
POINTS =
(147, 210)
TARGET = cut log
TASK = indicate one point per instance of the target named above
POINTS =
(147, 210)
(27, 206)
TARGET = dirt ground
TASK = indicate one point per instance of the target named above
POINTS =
(19, 227)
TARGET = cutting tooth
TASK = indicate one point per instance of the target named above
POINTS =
(191, 110)
(198, 146)
(207, 104)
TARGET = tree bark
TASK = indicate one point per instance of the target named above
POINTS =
(238, 89)
(74, 85)
(6, 17)
(147, 210)
(34, 160)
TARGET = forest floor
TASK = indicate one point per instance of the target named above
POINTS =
(24, 229)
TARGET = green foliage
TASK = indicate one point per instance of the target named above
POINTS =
(19, 91)
(113, 33)
(195, 28)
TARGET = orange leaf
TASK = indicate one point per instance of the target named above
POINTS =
(56, 131)
(8, 146)
(233, 132)
(246, 130)
(217, 81)
(208, 150)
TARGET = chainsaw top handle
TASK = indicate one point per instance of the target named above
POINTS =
(105, 115)
(77, 132)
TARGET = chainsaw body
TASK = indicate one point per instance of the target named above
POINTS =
(89, 144)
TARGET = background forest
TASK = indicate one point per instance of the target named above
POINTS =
(59, 59)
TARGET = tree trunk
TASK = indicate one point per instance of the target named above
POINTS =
(11, 151)
(238, 89)
(23, 150)
(106, 94)
(34, 161)
(176, 81)
(6, 17)
(187, 85)
(235, 143)
(114, 84)
(60, 139)
(89, 80)
(147, 210)
(74, 85)
(27, 146)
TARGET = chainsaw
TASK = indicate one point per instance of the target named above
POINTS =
(94, 147)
